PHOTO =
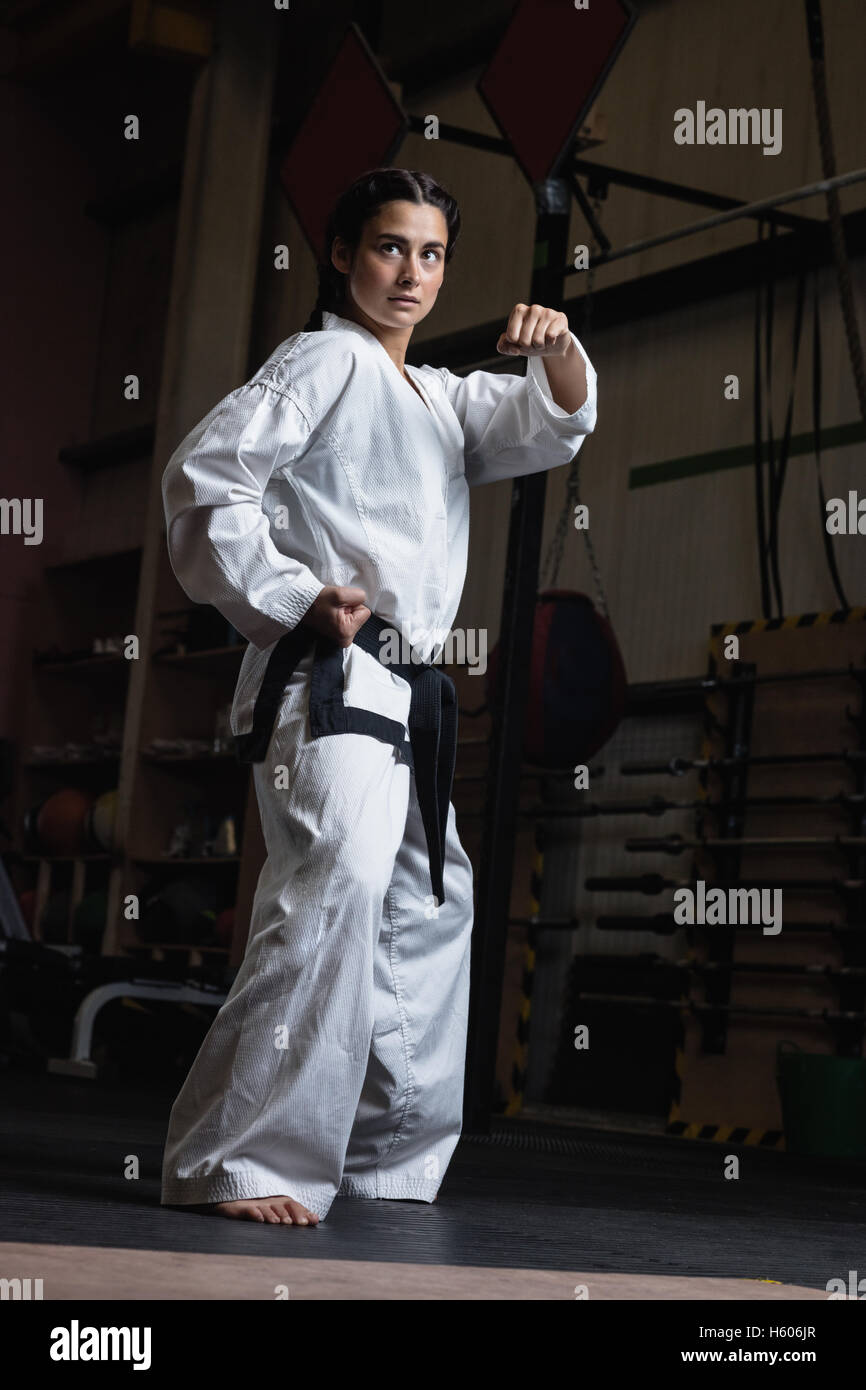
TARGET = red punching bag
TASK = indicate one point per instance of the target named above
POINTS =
(577, 681)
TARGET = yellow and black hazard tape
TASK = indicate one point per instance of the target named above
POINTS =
(727, 1134)
(840, 615)
(517, 1080)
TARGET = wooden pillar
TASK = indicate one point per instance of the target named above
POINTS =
(211, 301)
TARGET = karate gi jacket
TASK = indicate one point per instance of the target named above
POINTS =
(326, 467)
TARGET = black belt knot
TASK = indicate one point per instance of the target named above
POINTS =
(432, 720)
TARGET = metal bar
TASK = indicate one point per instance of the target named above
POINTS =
(459, 135)
(658, 805)
(849, 799)
(768, 967)
(675, 844)
(657, 883)
(693, 1006)
(664, 924)
(686, 685)
(705, 967)
(810, 190)
(528, 774)
(677, 766)
(515, 642)
(683, 193)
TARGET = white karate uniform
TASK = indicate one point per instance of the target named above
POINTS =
(336, 1063)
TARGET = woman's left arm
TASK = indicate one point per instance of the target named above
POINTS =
(533, 331)
(515, 425)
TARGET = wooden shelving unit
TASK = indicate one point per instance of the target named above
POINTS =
(73, 702)
(177, 219)
(96, 713)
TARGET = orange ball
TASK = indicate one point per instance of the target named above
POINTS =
(62, 823)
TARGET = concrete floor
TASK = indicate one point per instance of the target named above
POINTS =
(527, 1215)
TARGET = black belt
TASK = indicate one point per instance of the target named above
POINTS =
(432, 720)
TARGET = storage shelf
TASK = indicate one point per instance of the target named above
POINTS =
(67, 858)
(84, 665)
(180, 759)
(72, 762)
(175, 946)
(167, 860)
(135, 200)
(97, 564)
(112, 449)
(211, 660)
(108, 571)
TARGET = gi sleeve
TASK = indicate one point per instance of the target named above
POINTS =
(218, 534)
(512, 425)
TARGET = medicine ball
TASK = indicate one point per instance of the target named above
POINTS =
(181, 911)
(89, 919)
(101, 820)
(61, 822)
(577, 681)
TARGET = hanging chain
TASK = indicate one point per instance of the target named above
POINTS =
(553, 558)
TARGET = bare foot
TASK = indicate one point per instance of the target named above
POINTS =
(277, 1210)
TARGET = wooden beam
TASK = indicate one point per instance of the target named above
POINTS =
(210, 305)
(172, 30)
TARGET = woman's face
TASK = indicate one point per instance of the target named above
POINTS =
(401, 253)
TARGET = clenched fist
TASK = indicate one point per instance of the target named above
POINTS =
(533, 331)
(338, 613)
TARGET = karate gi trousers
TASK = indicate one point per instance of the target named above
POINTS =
(336, 1064)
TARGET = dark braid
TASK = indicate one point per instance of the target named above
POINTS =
(328, 295)
(362, 200)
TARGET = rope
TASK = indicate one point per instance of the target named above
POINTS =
(777, 482)
(556, 548)
(758, 424)
(816, 425)
(828, 166)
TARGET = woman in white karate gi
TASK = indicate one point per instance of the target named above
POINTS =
(318, 507)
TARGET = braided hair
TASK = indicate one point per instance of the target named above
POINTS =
(362, 200)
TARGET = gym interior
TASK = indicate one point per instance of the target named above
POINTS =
(661, 762)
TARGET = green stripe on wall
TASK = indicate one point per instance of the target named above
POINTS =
(741, 456)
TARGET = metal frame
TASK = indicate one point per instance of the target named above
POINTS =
(79, 1062)
(523, 555)
(518, 607)
(757, 209)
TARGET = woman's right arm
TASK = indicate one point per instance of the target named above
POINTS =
(218, 536)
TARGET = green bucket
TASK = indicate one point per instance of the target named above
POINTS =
(823, 1102)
